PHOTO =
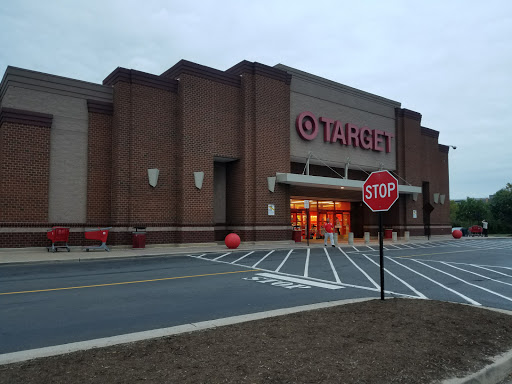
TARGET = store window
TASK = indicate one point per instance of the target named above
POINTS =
(338, 213)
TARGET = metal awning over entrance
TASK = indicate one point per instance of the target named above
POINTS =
(333, 183)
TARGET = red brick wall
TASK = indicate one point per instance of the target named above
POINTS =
(99, 169)
(420, 158)
(209, 127)
(24, 173)
(121, 144)
(265, 145)
(153, 137)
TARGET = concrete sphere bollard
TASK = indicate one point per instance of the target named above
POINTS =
(457, 234)
(232, 241)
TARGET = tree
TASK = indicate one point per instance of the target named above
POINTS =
(501, 208)
(454, 210)
(472, 212)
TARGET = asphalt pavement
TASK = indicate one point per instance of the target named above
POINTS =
(51, 299)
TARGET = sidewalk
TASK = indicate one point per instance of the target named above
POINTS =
(40, 254)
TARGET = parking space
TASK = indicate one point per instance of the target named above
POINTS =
(473, 271)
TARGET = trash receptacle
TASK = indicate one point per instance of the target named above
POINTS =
(139, 238)
(297, 234)
(388, 233)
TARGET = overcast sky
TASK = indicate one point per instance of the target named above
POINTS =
(449, 60)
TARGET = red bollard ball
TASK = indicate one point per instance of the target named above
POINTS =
(457, 234)
(232, 241)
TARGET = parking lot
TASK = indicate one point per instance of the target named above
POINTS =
(60, 302)
(472, 271)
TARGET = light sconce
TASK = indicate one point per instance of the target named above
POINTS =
(198, 179)
(436, 198)
(153, 176)
(415, 196)
(441, 199)
(271, 181)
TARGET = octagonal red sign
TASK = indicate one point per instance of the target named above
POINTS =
(380, 191)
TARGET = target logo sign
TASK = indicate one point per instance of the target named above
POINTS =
(307, 126)
(380, 191)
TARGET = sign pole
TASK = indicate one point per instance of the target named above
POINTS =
(307, 224)
(380, 192)
(381, 245)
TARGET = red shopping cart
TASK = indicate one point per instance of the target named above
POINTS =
(100, 234)
(58, 234)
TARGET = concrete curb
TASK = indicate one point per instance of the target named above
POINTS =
(491, 374)
(17, 357)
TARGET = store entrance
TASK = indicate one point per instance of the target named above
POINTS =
(338, 213)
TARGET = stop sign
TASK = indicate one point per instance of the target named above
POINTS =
(380, 191)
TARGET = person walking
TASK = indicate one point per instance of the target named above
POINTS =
(328, 228)
(485, 225)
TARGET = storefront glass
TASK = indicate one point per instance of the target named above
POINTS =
(338, 213)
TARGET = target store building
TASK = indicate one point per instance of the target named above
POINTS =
(195, 153)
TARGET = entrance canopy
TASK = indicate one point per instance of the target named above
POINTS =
(333, 183)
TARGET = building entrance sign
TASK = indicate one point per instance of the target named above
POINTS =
(363, 137)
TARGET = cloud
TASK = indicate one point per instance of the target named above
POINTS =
(450, 61)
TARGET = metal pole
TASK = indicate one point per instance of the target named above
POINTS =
(381, 244)
(307, 224)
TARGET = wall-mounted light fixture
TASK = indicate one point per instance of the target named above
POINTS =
(198, 179)
(441, 198)
(436, 198)
(415, 196)
(271, 181)
(153, 176)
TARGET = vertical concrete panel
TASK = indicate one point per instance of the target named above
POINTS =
(219, 193)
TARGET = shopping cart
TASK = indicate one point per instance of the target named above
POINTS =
(100, 234)
(58, 234)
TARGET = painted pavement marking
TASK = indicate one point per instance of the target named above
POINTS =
(306, 265)
(435, 282)
(332, 267)
(247, 254)
(466, 282)
(476, 274)
(221, 256)
(264, 257)
(420, 295)
(126, 282)
(377, 286)
(300, 281)
(284, 261)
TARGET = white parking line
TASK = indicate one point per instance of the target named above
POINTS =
(284, 261)
(221, 256)
(421, 295)
(466, 282)
(332, 267)
(233, 262)
(306, 266)
(363, 272)
(476, 274)
(436, 282)
(491, 270)
(264, 257)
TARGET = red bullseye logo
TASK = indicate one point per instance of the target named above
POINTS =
(307, 126)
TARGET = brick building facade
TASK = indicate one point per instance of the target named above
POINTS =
(77, 154)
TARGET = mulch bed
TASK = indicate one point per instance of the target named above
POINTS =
(391, 341)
